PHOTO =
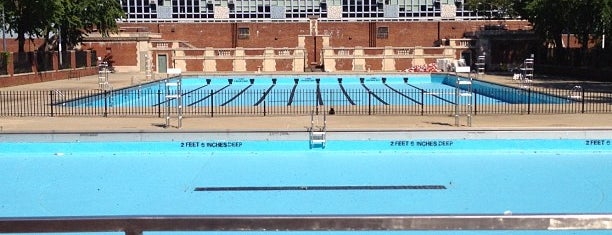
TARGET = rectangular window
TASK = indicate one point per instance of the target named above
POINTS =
(382, 32)
(243, 33)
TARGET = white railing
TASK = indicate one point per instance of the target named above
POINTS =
(283, 52)
(161, 45)
(404, 51)
(344, 52)
(462, 42)
(224, 53)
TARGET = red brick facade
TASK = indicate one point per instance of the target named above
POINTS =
(338, 34)
(342, 34)
(120, 53)
(126, 51)
(13, 79)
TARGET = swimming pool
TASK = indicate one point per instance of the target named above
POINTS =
(316, 90)
(275, 173)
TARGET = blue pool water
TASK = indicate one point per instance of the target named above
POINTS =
(300, 90)
(95, 176)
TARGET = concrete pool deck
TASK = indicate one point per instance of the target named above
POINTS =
(293, 123)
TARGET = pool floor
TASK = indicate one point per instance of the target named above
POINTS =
(256, 183)
(441, 177)
(346, 90)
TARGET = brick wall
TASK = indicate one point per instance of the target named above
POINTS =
(29, 78)
(12, 44)
(342, 34)
(284, 65)
(15, 79)
(272, 35)
(123, 53)
(226, 65)
(279, 35)
(403, 64)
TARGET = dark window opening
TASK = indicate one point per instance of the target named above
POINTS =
(382, 32)
(243, 33)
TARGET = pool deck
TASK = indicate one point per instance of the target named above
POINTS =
(297, 123)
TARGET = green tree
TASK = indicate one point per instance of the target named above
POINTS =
(550, 19)
(607, 22)
(74, 19)
(497, 9)
(78, 18)
(587, 22)
(587, 19)
(28, 18)
(553, 18)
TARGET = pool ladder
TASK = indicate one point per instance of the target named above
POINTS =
(318, 133)
(463, 94)
(576, 93)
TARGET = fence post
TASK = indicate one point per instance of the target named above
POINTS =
(264, 104)
(422, 102)
(51, 102)
(529, 100)
(582, 96)
(212, 112)
(475, 104)
(369, 103)
(158, 103)
(105, 104)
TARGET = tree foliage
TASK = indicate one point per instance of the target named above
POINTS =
(28, 18)
(589, 20)
(550, 18)
(73, 19)
(497, 9)
(586, 19)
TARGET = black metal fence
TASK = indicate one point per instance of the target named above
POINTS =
(22, 62)
(153, 103)
(44, 61)
(93, 58)
(3, 64)
(81, 59)
(65, 58)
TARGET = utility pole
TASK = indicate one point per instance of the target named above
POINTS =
(3, 31)
(60, 47)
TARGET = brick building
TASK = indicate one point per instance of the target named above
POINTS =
(207, 10)
(292, 35)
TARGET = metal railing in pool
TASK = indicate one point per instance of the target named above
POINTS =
(133, 225)
(264, 102)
